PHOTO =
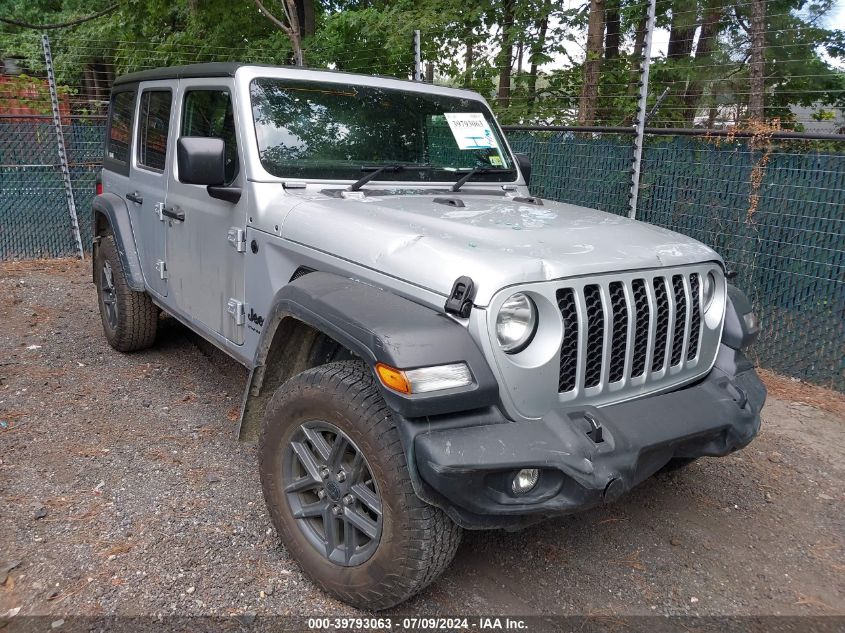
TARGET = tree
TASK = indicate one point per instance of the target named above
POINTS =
(757, 84)
(592, 64)
(289, 25)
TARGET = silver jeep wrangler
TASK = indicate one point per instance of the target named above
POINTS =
(430, 347)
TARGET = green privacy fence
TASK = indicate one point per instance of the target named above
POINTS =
(34, 218)
(775, 213)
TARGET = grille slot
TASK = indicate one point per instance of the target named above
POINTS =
(619, 338)
(680, 319)
(661, 298)
(695, 318)
(569, 349)
(642, 322)
(595, 335)
(621, 330)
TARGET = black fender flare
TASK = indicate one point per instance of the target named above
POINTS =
(114, 209)
(736, 333)
(377, 326)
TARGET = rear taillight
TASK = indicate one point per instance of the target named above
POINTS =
(98, 180)
(99, 189)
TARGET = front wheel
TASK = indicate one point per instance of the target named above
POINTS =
(336, 484)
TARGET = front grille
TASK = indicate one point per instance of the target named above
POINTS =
(637, 328)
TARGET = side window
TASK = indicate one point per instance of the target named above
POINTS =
(120, 125)
(208, 113)
(152, 129)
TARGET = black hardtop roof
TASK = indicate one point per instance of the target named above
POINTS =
(210, 69)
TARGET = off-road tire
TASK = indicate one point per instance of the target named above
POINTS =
(418, 540)
(134, 327)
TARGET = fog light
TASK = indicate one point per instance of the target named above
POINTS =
(525, 480)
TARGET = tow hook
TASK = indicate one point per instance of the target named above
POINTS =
(596, 432)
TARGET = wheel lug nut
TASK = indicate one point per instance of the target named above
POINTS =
(341, 476)
(348, 499)
(321, 493)
(324, 473)
(336, 511)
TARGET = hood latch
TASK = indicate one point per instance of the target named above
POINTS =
(460, 298)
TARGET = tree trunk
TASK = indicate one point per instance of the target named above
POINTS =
(536, 50)
(290, 25)
(758, 64)
(505, 56)
(592, 65)
(305, 13)
(639, 37)
(682, 29)
(468, 60)
(710, 25)
(613, 34)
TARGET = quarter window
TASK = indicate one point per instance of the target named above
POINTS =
(208, 113)
(122, 105)
(153, 128)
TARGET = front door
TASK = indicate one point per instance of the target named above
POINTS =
(148, 179)
(205, 251)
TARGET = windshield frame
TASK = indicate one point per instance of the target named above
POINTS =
(258, 172)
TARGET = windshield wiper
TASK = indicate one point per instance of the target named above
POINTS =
(374, 172)
(474, 172)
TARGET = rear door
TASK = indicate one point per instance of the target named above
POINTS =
(148, 179)
(206, 250)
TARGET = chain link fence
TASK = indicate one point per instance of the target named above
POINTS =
(773, 206)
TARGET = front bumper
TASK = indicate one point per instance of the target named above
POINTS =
(467, 469)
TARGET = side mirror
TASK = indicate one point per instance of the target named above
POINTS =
(201, 161)
(524, 162)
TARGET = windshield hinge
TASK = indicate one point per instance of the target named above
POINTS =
(460, 298)
(236, 238)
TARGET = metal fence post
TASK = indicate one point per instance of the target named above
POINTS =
(636, 166)
(417, 56)
(60, 144)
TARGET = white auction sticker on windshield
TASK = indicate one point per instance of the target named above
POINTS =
(470, 130)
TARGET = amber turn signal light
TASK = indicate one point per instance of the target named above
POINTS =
(393, 378)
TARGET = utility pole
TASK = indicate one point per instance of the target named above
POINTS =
(642, 102)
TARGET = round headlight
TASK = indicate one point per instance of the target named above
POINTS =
(516, 323)
(708, 291)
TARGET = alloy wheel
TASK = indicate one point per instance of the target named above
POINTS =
(332, 493)
(108, 294)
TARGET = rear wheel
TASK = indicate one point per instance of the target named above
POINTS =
(337, 487)
(129, 318)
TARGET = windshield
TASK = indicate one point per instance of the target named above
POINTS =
(341, 131)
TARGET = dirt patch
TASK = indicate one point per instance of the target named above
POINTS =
(123, 491)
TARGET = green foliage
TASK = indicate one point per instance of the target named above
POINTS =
(803, 57)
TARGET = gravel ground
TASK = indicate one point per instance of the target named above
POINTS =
(123, 491)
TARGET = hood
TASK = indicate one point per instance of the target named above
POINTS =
(495, 240)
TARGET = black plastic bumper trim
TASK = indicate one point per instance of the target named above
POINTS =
(465, 469)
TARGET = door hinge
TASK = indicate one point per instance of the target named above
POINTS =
(236, 309)
(158, 208)
(236, 238)
(161, 267)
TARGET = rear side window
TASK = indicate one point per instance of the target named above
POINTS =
(153, 127)
(208, 113)
(120, 126)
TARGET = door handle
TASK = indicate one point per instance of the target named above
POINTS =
(173, 215)
(135, 197)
